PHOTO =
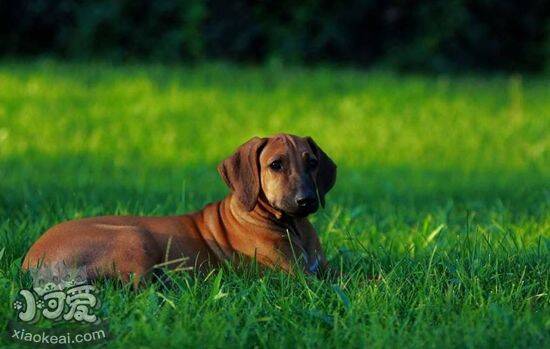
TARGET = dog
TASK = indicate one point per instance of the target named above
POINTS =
(275, 183)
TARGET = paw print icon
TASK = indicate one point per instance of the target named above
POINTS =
(17, 305)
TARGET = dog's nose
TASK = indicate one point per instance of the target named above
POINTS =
(306, 200)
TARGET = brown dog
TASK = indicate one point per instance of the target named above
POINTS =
(275, 184)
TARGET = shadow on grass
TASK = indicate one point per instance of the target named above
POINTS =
(40, 184)
(38, 191)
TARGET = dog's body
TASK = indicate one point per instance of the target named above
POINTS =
(264, 218)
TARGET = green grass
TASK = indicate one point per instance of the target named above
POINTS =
(443, 192)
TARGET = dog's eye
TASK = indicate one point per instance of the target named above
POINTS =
(312, 163)
(276, 165)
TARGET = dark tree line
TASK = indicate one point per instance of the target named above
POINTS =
(432, 35)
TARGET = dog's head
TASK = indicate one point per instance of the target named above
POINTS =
(292, 174)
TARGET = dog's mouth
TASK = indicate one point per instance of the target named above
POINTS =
(302, 211)
(291, 209)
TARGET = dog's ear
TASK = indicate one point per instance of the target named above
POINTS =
(326, 173)
(241, 172)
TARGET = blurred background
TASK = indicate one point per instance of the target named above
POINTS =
(438, 36)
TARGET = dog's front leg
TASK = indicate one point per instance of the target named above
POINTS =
(316, 261)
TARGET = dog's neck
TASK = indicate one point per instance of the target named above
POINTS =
(265, 218)
(261, 233)
(262, 215)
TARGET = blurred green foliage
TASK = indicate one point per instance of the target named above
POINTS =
(429, 35)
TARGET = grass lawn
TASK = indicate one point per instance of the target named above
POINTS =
(443, 193)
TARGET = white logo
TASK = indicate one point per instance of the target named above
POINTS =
(59, 292)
